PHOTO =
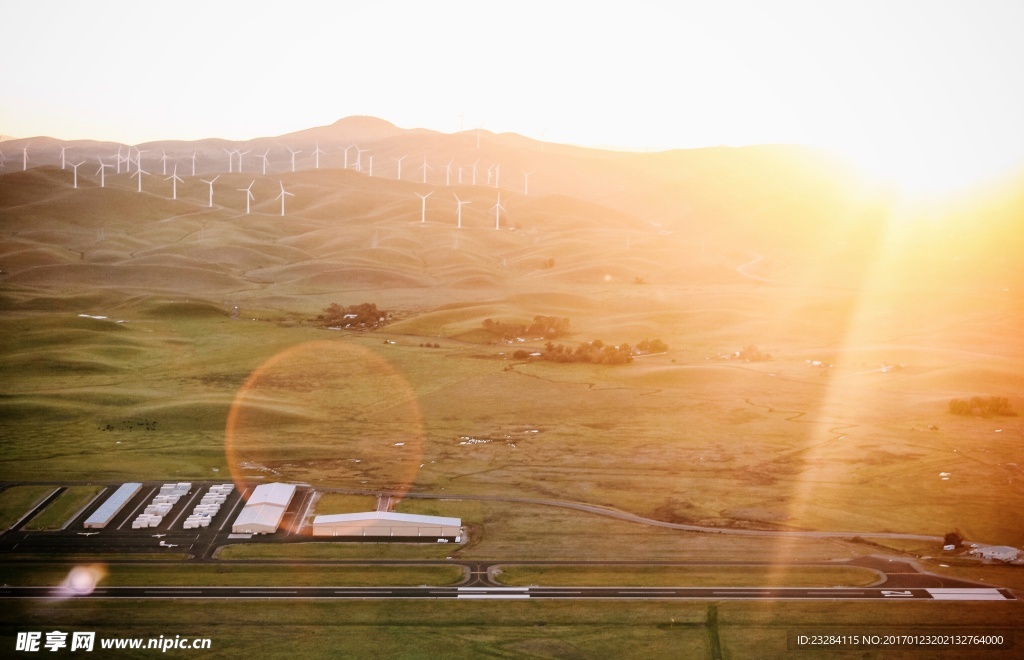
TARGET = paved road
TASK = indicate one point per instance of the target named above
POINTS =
(511, 593)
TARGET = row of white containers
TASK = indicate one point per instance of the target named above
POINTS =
(208, 507)
(161, 505)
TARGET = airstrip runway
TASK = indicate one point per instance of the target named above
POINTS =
(511, 593)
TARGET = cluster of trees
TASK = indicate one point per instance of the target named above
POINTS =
(593, 352)
(548, 327)
(753, 354)
(359, 317)
(652, 346)
(429, 345)
(993, 405)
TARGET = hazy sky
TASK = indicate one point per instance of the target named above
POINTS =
(928, 92)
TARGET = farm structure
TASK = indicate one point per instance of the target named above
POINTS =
(264, 510)
(389, 526)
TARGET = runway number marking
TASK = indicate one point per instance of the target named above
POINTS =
(897, 594)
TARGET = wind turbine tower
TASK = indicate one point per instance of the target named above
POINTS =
(174, 179)
(448, 173)
(139, 172)
(102, 172)
(423, 208)
(264, 157)
(526, 182)
(458, 211)
(240, 154)
(474, 171)
(359, 159)
(282, 196)
(231, 160)
(346, 154)
(194, 154)
(294, 152)
(62, 161)
(425, 168)
(248, 196)
(75, 166)
(211, 188)
(371, 165)
(163, 162)
(24, 158)
(498, 208)
(399, 161)
(497, 174)
(316, 155)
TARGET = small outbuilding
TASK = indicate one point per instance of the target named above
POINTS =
(389, 526)
(997, 552)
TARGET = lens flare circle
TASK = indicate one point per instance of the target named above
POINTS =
(329, 413)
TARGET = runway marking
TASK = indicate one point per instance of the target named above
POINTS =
(493, 596)
(966, 594)
(231, 514)
(647, 593)
(268, 591)
(171, 593)
(837, 592)
(510, 589)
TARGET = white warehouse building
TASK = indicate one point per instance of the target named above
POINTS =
(263, 512)
(388, 526)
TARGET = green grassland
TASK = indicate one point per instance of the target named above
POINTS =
(446, 629)
(687, 576)
(16, 501)
(60, 511)
(231, 575)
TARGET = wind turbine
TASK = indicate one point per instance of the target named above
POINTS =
(174, 179)
(359, 159)
(458, 211)
(316, 155)
(497, 174)
(448, 173)
(62, 162)
(423, 209)
(102, 172)
(346, 154)
(264, 157)
(490, 174)
(240, 154)
(526, 182)
(211, 187)
(248, 196)
(282, 195)
(139, 172)
(294, 152)
(123, 159)
(75, 166)
(425, 168)
(371, 165)
(24, 158)
(163, 161)
(498, 208)
(231, 159)
(138, 159)
(474, 171)
(399, 160)
(460, 175)
(194, 153)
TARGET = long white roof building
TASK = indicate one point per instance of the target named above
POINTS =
(388, 524)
